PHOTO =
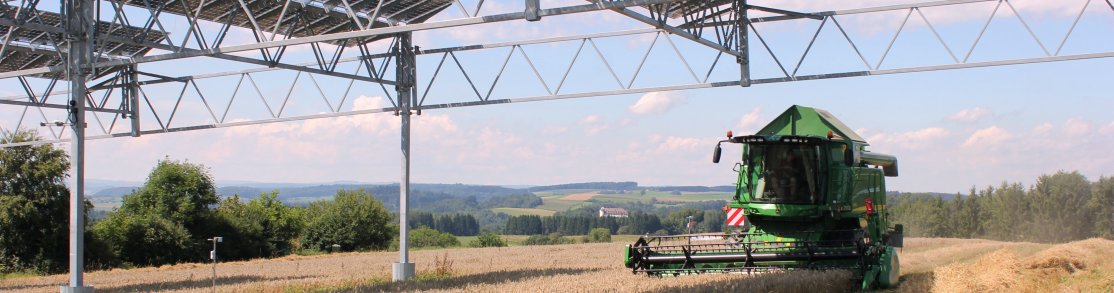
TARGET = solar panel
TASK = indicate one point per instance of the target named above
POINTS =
(694, 8)
(33, 35)
(302, 17)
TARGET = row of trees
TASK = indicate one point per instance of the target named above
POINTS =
(566, 225)
(456, 224)
(168, 219)
(675, 222)
(1060, 207)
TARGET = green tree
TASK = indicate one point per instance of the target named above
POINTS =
(180, 191)
(938, 224)
(280, 224)
(1007, 210)
(34, 203)
(236, 224)
(1059, 204)
(353, 219)
(676, 222)
(1102, 207)
(171, 212)
(714, 221)
(965, 218)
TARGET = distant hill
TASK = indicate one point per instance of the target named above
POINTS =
(113, 192)
(723, 188)
(439, 197)
(93, 186)
(588, 185)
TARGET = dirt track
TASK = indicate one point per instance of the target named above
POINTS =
(940, 265)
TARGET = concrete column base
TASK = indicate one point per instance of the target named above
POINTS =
(402, 271)
(65, 289)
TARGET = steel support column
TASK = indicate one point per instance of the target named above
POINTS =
(79, 23)
(405, 71)
(742, 24)
(131, 96)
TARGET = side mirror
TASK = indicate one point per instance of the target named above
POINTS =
(716, 154)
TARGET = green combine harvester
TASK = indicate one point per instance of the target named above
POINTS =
(808, 196)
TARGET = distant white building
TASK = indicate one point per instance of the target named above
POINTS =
(613, 212)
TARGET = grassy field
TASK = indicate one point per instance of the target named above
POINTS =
(563, 200)
(560, 201)
(928, 265)
(557, 205)
(522, 211)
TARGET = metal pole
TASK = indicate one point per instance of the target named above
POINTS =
(78, 21)
(214, 257)
(404, 73)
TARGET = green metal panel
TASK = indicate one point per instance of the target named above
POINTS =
(805, 121)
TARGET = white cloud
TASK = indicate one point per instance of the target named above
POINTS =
(1043, 129)
(678, 144)
(987, 137)
(1076, 127)
(917, 139)
(593, 124)
(750, 121)
(656, 102)
(1108, 129)
(969, 115)
(555, 130)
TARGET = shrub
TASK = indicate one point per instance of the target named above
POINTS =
(145, 239)
(551, 239)
(488, 239)
(426, 237)
(598, 235)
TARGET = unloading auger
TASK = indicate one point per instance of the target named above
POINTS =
(808, 196)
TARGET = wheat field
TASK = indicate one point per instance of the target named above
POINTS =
(928, 264)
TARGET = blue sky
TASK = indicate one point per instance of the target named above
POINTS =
(950, 129)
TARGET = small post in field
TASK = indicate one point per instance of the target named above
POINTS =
(213, 256)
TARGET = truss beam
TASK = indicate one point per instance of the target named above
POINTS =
(692, 86)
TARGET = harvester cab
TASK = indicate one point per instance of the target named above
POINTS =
(808, 196)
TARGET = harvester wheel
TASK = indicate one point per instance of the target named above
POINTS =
(891, 269)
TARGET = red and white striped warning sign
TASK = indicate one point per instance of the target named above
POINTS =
(736, 217)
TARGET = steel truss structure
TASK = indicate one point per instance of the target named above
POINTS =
(99, 47)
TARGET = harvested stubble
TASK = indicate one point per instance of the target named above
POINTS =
(582, 268)
(1081, 266)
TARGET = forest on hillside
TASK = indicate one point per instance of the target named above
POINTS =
(1060, 207)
